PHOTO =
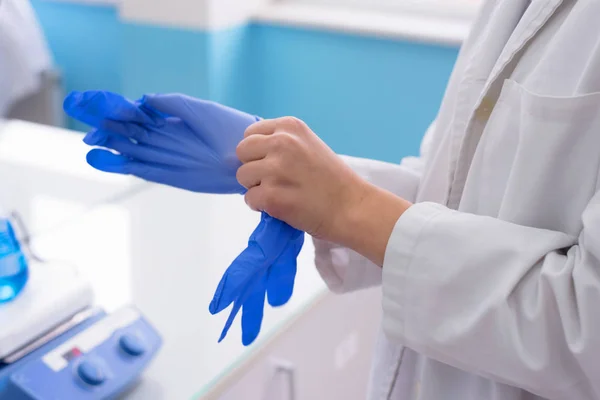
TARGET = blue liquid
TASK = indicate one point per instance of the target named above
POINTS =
(13, 275)
(13, 264)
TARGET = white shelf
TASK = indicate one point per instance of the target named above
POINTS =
(414, 26)
(91, 2)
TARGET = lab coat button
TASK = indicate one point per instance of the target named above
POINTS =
(91, 373)
(132, 344)
(485, 109)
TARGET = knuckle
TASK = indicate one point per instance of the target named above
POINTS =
(278, 141)
(255, 128)
(283, 141)
(292, 123)
(276, 165)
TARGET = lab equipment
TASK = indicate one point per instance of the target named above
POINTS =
(267, 266)
(55, 345)
(14, 270)
(190, 144)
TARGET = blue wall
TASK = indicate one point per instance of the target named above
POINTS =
(86, 42)
(364, 96)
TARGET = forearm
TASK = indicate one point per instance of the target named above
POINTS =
(400, 179)
(346, 270)
(366, 225)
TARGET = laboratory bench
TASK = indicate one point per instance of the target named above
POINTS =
(163, 250)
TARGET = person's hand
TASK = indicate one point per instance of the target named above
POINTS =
(294, 176)
(166, 138)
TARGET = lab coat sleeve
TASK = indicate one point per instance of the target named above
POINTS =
(515, 304)
(344, 270)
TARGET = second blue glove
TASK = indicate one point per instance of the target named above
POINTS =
(267, 265)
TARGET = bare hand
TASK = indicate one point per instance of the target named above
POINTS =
(294, 176)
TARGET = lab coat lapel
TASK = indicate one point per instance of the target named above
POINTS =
(534, 19)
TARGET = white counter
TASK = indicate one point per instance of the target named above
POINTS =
(162, 249)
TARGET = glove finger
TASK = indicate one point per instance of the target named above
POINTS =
(121, 128)
(234, 311)
(95, 107)
(138, 151)
(127, 129)
(164, 139)
(176, 105)
(283, 242)
(253, 312)
(281, 281)
(246, 292)
(219, 127)
(107, 161)
(104, 160)
(247, 265)
(282, 274)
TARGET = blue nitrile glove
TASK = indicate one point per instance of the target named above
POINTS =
(267, 265)
(171, 139)
(190, 143)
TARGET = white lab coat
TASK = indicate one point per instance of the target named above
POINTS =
(491, 281)
(24, 53)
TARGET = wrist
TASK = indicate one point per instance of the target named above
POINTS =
(369, 219)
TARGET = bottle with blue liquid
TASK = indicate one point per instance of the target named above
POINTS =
(14, 270)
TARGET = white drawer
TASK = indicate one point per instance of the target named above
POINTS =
(324, 354)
